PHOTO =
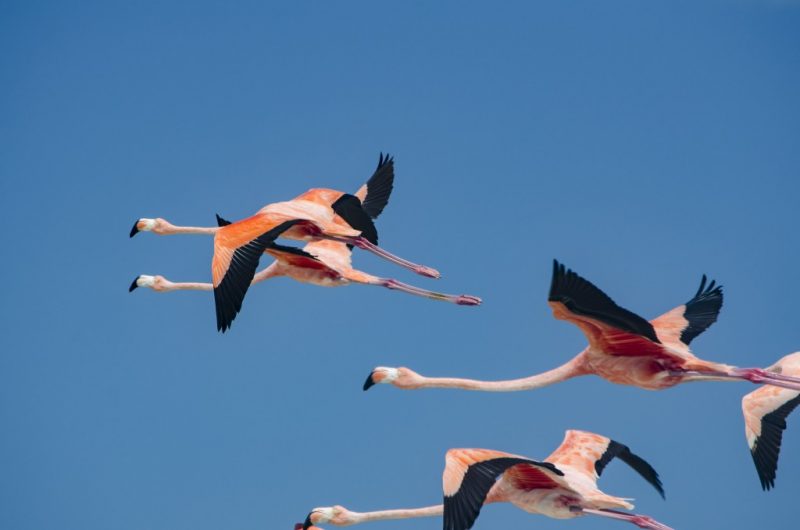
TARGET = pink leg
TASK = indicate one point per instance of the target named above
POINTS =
(758, 376)
(642, 521)
(362, 243)
(463, 299)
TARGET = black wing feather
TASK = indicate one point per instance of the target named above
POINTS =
(222, 222)
(461, 510)
(293, 250)
(348, 207)
(767, 446)
(702, 310)
(379, 186)
(229, 294)
(583, 298)
(637, 463)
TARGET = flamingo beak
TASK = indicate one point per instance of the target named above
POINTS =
(134, 285)
(135, 229)
(370, 382)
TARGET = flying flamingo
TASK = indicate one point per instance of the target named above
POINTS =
(623, 347)
(318, 214)
(563, 486)
(765, 411)
(324, 263)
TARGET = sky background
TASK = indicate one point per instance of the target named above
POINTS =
(641, 143)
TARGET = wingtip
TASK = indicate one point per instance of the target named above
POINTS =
(135, 229)
(134, 284)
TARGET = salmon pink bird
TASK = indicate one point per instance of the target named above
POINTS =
(623, 348)
(765, 412)
(318, 214)
(563, 486)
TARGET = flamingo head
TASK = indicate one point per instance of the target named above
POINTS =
(145, 225)
(400, 377)
(337, 515)
(157, 283)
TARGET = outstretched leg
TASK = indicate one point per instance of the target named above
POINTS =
(463, 299)
(758, 376)
(162, 227)
(642, 521)
(362, 243)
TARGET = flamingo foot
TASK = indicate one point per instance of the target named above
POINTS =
(463, 299)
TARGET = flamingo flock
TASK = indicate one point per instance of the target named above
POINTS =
(623, 348)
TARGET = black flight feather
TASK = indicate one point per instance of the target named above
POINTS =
(461, 509)
(379, 187)
(702, 310)
(348, 207)
(229, 294)
(293, 250)
(221, 222)
(581, 297)
(767, 446)
(638, 464)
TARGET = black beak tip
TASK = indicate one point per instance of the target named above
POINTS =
(134, 285)
(369, 383)
(135, 229)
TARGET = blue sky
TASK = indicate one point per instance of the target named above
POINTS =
(641, 143)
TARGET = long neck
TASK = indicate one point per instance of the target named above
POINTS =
(429, 511)
(191, 286)
(208, 230)
(573, 368)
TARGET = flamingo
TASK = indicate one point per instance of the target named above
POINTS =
(318, 214)
(563, 486)
(623, 347)
(765, 412)
(323, 263)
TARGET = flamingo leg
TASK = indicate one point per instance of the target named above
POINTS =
(758, 376)
(642, 521)
(362, 243)
(464, 299)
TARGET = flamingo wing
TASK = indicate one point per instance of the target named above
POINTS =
(611, 329)
(374, 195)
(687, 321)
(765, 411)
(590, 453)
(237, 249)
(348, 207)
(469, 474)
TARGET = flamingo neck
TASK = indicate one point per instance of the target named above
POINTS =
(573, 368)
(428, 511)
(192, 286)
(207, 230)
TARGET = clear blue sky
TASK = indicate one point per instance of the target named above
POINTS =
(641, 143)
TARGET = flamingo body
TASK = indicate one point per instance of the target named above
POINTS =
(623, 348)
(563, 486)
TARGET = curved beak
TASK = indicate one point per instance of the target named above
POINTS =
(134, 285)
(370, 382)
(135, 229)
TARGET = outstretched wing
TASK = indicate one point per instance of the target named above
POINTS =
(349, 208)
(687, 321)
(374, 195)
(590, 453)
(610, 328)
(469, 474)
(765, 412)
(237, 249)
